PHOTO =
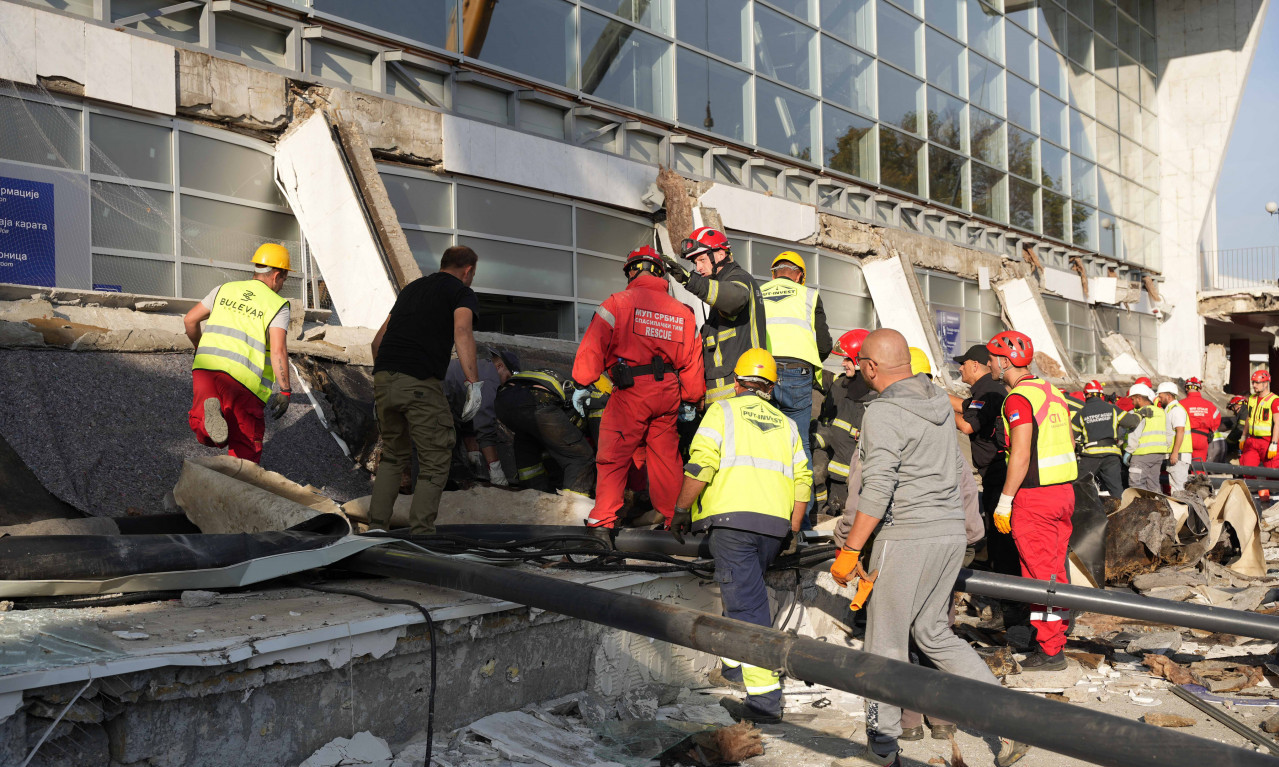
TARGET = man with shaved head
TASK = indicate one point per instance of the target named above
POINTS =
(911, 501)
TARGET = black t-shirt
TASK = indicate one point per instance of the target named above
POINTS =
(981, 411)
(419, 338)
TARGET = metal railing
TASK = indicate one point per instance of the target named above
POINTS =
(1241, 268)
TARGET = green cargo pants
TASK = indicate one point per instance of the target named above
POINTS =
(411, 412)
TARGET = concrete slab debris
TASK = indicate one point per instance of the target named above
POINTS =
(523, 735)
(362, 748)
(221, 494)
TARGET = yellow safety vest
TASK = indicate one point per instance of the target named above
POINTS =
(790, 312)
(1154, 434)
(1186, 447)
(752, 457)
(235, 339)
(1054, 446)
(1260, 423)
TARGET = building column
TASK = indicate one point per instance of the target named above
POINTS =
(1240, 349)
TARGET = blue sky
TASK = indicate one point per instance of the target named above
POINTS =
(1250, 174)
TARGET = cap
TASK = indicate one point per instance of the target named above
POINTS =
(1141, 390)
(508, 357)
(976, 353)
(1168, 387)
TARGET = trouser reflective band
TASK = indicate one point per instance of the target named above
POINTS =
(730, 662)
(1057, 614)
(838, 469)
(531, 472)
(566, 491)
(760, 681)
(821, 495)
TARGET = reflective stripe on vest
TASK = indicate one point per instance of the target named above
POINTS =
(1054, 447)
(725, 338)
(234, 340)
(1154, 434)
(1260, 423)
(539, 378)
(790, 313)
(1186, 447)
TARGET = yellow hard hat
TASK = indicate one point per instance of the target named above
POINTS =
(794, 258)
(272, 254)
(756, 363)
(604, 385)
(919, 362)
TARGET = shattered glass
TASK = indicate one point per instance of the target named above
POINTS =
(636, 743)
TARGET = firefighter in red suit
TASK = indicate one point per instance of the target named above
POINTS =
(1260, 445)
(1205, 418)
(648, 344)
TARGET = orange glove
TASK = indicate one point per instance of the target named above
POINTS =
(845, 563)
(864, 585)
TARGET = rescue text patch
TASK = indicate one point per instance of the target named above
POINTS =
(665, 327)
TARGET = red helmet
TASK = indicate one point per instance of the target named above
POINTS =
(1093, 387)
(704, 240)
(1261, 376)
(1124, 404)
(1237, 400)
(850, 344)
(1194, 384)
(1014, 345)
(646, 259)
(1144, 380)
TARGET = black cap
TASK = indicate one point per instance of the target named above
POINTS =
(508, 357)
(976, 353)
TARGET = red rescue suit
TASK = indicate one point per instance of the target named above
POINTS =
(634, 326)
(1260, 414)
(1205, 419)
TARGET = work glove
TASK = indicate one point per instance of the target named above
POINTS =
(579, 401)
(687, 412)
(475, 460)
(1127, 458)
(496, 475)
(279, 403)
(675, 269)
(1270, 453)
(790, 544)
(1004, 514)
(681, 522)
(844, 565)
(473, 400)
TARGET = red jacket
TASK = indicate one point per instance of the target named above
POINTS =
(634, 325)
(1205, 419)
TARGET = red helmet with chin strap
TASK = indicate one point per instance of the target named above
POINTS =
(1015, 346)
(1194, 384)
(646, 259)
(704, 240)
(1261, 376)
(1094, 387)
(850, 344)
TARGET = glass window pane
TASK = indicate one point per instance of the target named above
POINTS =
(521, 268)
(130, 149)
(1104, 18)
(654, 15)
(624, 65)
(1052, 119)
(1082, 89)
(428, 248)
(1079, 41)
(419, 201)
(509, 215)
(850, 20)
(228, 169)
(131, 218)
(1107, 147)
(946, 177)
(849, 143)
(784, 120)
(945, 291)
(339, 62)
(946, 63)
(224, 232)
(199, 279)
(1129, 118)
(899, 160)
(899, 38)
(987, 138)
(1052, 71)
(988, 194)
(1129, 37)
(717, 26)
(1021, 204)
(945, 119)
(1149, 56)
(1022, 158)
(252, 41)
(144, 276)
(44, 134)
(784, 49)
(1054, 215)
(984, 30)
(598, 278)
(1057, 311)
(610, 234)
(712, 95)
(426, 21)
(1052, 25)
(1021, 52)
(1055, 166)
(1106, 61)
(837, 274)
(1083, 135)
(985, 84)
(797, 8)
(899, 97)
(1083, 180)
(1021, 103)
(181, 25)
(848, 311)
(946, 15)
(847, 77)
(532, 37)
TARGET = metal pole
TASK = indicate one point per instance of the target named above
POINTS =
(1253, 484)
(1239, 471)
(1063, 728)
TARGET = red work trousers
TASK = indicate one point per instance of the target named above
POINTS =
(639, 417)
(1254, 453)
(240, 407)
(1041, 530)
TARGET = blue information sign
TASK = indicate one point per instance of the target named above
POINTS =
(27, 247)
(948, 332)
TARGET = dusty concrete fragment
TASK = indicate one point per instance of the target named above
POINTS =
(151, 306)
(1047, 679)
(1167, 720)
(1271, 725)
(488, 505)
(18, 334)
(401, 131)
(1172, 593)
(1087, 659)
(1001, 661)
(1167, 578)
(197, 598)
(227, 91)
(1164, 642)
(679, 205)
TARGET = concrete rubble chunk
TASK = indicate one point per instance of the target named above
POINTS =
(196, 598)
(151, 306)
(1166, 642)
(19, 334)
(1168, 720)
(367, 748)
(1271, 725)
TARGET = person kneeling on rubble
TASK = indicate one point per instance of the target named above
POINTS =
(534, 405)
(911, 464)
(747, 484)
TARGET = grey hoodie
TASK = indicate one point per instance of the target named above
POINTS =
(911, 462)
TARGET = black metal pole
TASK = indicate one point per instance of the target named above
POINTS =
(1063, 728)
(1253, 484)
(1239, 471)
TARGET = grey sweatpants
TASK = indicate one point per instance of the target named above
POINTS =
(911, 600)
(1143, 472)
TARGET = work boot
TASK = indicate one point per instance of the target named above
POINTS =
(912, 733)
(742, 712)
(1042, 661)
(214, 424)
(1011, 752)
(943, 731)
(716, 678)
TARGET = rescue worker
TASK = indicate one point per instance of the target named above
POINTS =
(1038, 499)
(480, 435)
(647, 342)
(978, 417)
(1178, 430)
(1205, 419)
(799, 341)
(911, 464)
(1148, 441)
(735, 318)
(1259, 446)
(239, 355)
(1096, 425)
(534, 404)
(841, 422)
(746, 484)
(1233, 426)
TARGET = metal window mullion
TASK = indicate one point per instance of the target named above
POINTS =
(175, 155)
(230, 200)
(154, 186)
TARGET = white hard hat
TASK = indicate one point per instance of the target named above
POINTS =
(1141, 390)
(1168, 387)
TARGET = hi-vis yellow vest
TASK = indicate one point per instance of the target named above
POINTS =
(1186, 447)
(235, 337)
(1154, 433)
(1260, 423)
(753, 459)
(1054, 451)
(790, 312)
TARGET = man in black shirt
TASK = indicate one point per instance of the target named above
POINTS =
(411, 357)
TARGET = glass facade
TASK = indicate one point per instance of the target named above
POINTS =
(962, 313)
(1079, 336)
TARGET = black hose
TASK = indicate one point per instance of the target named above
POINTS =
(1230, 468)
(94, 600)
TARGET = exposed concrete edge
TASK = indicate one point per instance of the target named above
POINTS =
(526, 342)
(1038, 325)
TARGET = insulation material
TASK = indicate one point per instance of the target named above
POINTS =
(488, 506)
(313, 176)
(889, 288)
(1233, 505)
(231, 495)
(1025, 315)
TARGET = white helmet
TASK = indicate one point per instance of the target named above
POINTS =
(1141, 390)
(1168, 387)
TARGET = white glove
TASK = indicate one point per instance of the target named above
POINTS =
(475, 459)
(473, 399)
(496, 475)
(1004, 513)
(579, 401)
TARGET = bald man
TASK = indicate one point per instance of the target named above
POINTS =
(910, 492)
